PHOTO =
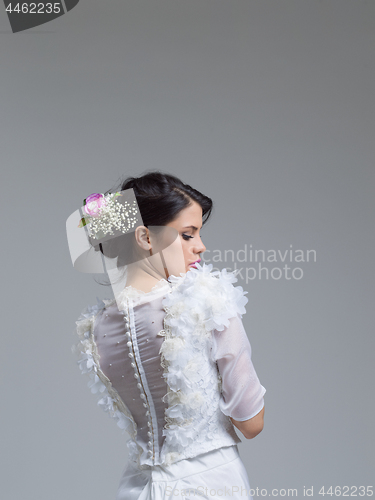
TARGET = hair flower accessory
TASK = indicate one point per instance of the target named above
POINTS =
(105, 212)
(93, 204)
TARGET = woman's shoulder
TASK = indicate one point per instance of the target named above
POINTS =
(92, 310)
(212, 292)
(88, 315)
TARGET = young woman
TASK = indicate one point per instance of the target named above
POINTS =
(169, 356)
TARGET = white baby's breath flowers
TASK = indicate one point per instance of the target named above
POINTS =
(113, 215)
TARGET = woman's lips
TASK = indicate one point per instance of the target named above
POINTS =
(193, 263)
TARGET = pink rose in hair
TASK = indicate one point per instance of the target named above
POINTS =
(94, 203)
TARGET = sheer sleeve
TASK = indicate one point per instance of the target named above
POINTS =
(242, 392)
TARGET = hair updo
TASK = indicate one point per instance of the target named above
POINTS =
(160, 198)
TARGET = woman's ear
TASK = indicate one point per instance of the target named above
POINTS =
(142, 237)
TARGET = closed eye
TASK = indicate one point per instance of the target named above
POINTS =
(186, 237)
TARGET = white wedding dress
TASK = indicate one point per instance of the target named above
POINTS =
(171, 366)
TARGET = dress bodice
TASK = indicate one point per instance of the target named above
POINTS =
(173, 365)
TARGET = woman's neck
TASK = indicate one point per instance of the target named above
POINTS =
(142, 279)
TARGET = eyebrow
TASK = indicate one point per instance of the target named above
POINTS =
(192, 227)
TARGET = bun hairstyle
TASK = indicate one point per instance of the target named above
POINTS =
(160, 198)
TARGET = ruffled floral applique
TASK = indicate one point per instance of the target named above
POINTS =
(99, 384)
(200, 302)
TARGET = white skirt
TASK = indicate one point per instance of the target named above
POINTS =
(216, 474)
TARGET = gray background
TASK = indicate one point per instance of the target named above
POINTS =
(268, 108)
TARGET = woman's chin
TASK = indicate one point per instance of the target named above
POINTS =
(177, 272)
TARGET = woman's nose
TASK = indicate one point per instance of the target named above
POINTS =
(200, 247)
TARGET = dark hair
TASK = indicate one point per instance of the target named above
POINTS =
(160, 198)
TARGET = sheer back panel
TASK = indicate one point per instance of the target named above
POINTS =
(110, 337)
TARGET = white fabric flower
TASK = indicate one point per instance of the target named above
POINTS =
(196, 314)
(194, 400)
(176, 437)
(175, 412)
(96, 385)
(106, 403)
(86, 362)
(191, 370)
(173, 398)
(122, 421)
(175, 377)
(177, 308)
(216, 303)
(172, 347)
(83, 327)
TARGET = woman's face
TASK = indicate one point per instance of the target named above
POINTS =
(188, 224)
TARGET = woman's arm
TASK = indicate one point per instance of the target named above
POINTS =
(252, 427)
(241, 392)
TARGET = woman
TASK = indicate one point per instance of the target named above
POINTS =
(169, 356)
